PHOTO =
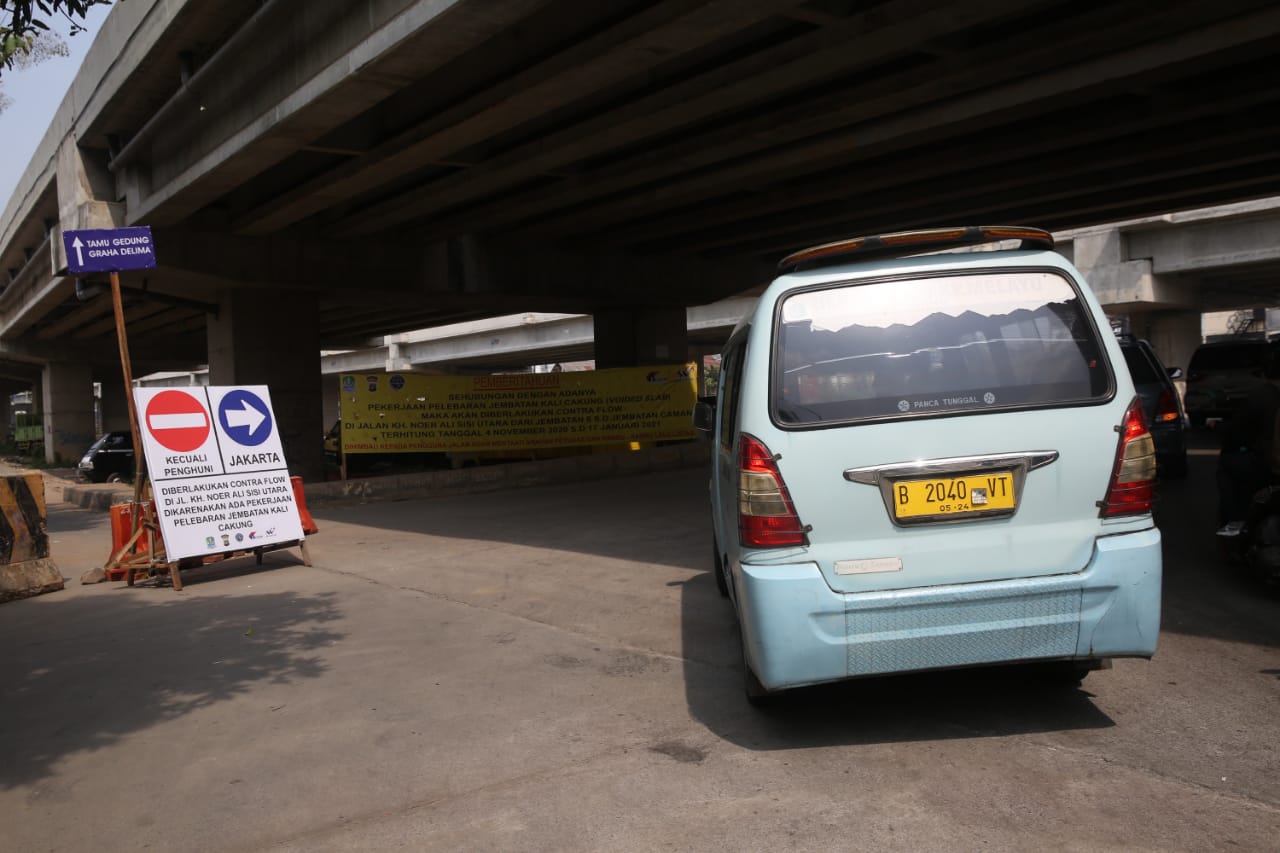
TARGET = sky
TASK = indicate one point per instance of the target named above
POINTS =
(36, 93)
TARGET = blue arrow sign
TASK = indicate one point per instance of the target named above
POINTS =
(109, 249)
(245, 418)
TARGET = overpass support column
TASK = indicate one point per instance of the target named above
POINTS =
(1174, 335)
(6, 413)
(86, 190)
(272, 338)
(639, 336)
(114, 404)
(67, 390)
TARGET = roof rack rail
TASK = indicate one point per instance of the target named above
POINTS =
(911, 243)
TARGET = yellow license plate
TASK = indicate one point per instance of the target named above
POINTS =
(942, 496)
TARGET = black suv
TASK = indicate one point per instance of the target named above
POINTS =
(109, 459)
(1160, 403)
(1222, 373)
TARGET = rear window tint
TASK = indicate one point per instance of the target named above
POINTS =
(1140, 367)
(939, 345)
(1229, 357)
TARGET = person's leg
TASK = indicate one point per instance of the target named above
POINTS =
(1240, 474)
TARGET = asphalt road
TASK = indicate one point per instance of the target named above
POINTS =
(552, 669)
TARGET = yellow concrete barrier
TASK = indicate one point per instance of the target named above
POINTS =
(25, 566)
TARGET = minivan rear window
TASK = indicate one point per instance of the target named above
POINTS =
(895, 348)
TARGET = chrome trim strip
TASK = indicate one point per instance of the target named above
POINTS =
(885, 476)
(873, 474)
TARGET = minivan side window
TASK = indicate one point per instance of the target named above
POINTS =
(731, 383)
(894, 348)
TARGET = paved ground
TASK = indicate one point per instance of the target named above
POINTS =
(551, 669)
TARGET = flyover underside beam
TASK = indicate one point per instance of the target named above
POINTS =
(491, 274)
(358, 65)
(836, 128)
(1126, 134)
(632, 46)
(1206, 246)
(1021, 188)
(728, 90)
(772, 71)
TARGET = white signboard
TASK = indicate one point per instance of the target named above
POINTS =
(217, 469)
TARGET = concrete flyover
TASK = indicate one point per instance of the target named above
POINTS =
(318, 178)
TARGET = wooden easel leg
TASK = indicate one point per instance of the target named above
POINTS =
(175, 576)
(257, 552)
(306, 556)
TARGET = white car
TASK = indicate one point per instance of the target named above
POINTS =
(927, 461)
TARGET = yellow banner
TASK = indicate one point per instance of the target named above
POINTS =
(409, 413)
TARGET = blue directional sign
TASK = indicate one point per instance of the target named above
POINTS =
(245, 417)
(109, 249)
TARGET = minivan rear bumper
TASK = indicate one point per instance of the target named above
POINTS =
(798, 631)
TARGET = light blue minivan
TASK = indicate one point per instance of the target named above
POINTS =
(929, 459)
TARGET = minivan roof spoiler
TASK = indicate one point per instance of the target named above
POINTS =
(912, 243)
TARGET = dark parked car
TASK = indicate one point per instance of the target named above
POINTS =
(1222, 373)
(109, 459)
(1160, 403)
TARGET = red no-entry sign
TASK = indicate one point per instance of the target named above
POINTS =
(178, 421)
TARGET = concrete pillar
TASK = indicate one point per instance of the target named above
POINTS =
(1174, 335)
(640, 336)
(6, 412)
(114, 404)
(86, 195)
(271, 337)
(68, 411)
(332, 401)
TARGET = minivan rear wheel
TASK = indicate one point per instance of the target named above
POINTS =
(717, 566)
(115, 478)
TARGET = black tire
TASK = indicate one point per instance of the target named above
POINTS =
(717, 567)
(115, 478)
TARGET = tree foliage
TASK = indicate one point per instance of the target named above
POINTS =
(24, 30)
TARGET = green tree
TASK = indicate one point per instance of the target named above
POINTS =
(46, 45)
(22, 22)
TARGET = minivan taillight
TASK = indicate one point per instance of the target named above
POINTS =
(1133, 476)
(1167, 407)
(766, 516)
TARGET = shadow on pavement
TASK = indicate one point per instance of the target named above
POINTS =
(80, 674)
(64, 518)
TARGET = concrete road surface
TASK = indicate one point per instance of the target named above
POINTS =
(552, 669)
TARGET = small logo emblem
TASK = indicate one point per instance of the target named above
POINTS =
(209, 543)
(372, 379)
(348, 384)
(226, 540)
(397, 382)
(904, 406)
(239, 537)
(988, 398)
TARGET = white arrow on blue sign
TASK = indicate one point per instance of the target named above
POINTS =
(109, 249)
(245, 417)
